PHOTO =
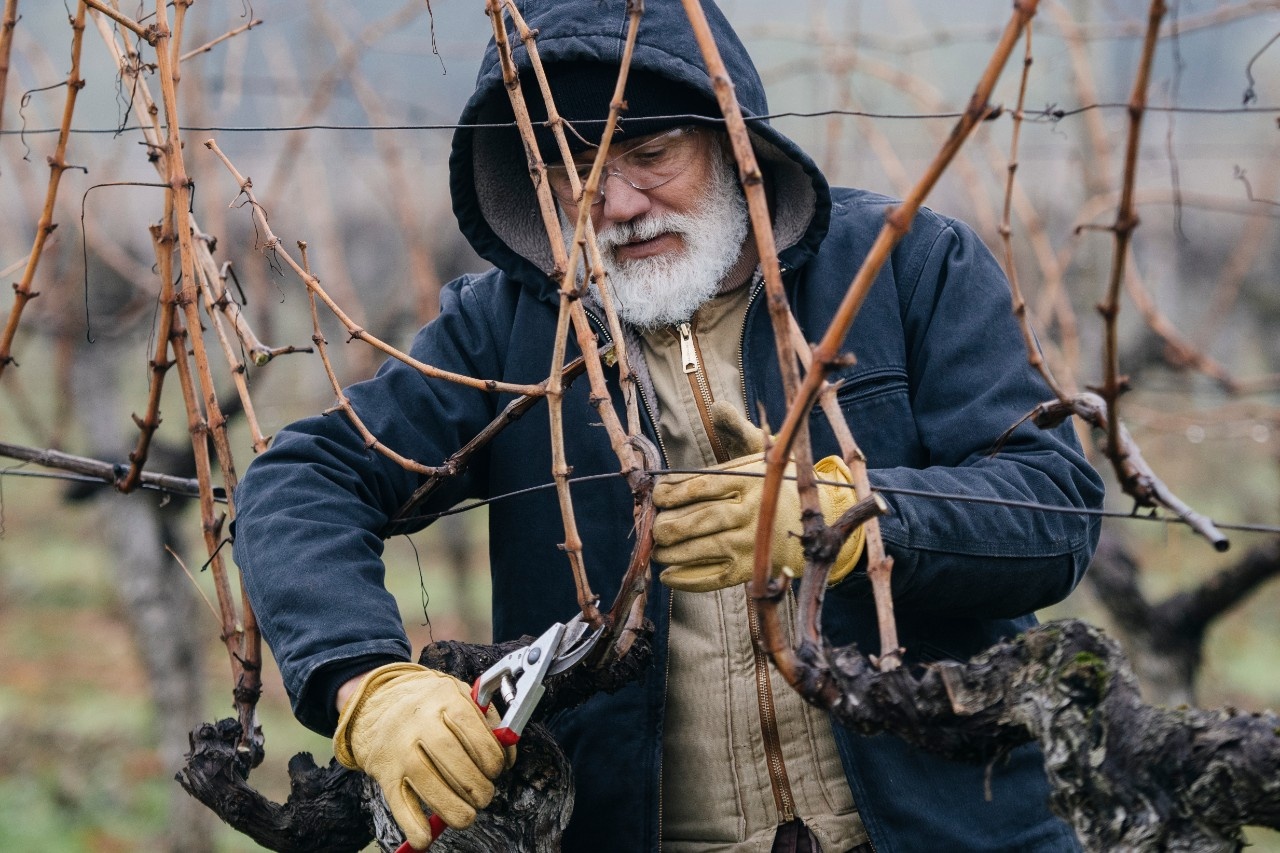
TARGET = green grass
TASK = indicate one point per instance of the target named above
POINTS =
(79, 771)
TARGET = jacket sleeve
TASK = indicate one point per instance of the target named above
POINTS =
(312, 511)
(969, 381)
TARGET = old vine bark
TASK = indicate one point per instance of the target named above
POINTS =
(1128, 776)
(333, 810)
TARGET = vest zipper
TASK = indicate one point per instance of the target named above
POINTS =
(762, 663)
(691, 358)
(784, 800)
(782, 795)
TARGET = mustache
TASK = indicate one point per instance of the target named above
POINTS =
(638, 230)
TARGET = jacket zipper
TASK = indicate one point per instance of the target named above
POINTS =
(784, 800)
(604, 330)
(662, 451)
(666, 681)
(757, 283)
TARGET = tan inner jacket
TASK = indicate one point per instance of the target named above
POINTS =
(742, 752)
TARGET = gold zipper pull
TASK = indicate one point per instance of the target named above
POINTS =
(688, 355)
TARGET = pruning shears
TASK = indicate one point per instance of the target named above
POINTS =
(516, 681)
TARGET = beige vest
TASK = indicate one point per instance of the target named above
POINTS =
(728, 779)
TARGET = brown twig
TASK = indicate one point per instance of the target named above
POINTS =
(159, 365)
(149, 34)
(148, 115)
(564, 261)
(105, 471)
(22, 292)
(272, 243)
(826, 353)
(259, 353)
(767, 590)
(1185, 353)
(808, 618)
(571, 309)
(180, 8)
(344, 403)
(626, 615)
(244, 667)
(216, 304)
(208, 46)
(584, 240)
(1006, 233)
(1125, 223)
(1136, 477)
(460, 459)
(241, 635)
(7, 25)
(422, 273)
(244, 642)
(180, 185)
(1133, 472)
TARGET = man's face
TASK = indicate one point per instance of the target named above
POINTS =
(690, 148)
(666, 246)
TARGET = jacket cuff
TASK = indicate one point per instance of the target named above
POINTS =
(317, 708)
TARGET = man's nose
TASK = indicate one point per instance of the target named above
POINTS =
(622, 202)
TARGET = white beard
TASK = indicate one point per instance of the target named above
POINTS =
(666, 289)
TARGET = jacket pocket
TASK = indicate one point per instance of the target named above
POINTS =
(877, 406)
(862, 387)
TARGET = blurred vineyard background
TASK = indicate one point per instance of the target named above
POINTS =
(340, 113)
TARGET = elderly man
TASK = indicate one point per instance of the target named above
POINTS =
(710, 751)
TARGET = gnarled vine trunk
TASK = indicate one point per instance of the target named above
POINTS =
(1126, 775)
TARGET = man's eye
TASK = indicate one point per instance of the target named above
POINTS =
(648, 157)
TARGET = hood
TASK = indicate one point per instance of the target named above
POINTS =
(493, 196)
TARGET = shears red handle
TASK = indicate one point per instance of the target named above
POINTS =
(516, 679)
(437, 825)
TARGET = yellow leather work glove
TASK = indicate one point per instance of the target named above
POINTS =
(705, 530)
(421, 736)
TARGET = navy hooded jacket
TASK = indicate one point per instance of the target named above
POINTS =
(940, 374)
